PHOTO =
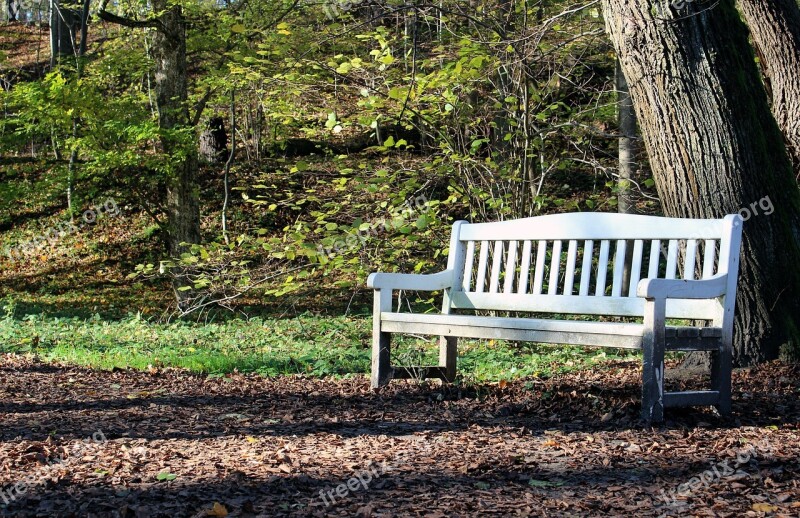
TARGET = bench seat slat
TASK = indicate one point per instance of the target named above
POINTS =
(576, 332)
(581, 326)
(515, 334)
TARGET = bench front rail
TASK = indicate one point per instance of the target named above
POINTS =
(590, 264)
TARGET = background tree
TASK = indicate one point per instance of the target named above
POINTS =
(714, 149)
(626, 117)
(68, 29)
(177, 133)
(12, 10)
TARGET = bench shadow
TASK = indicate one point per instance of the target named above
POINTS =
(301, 406)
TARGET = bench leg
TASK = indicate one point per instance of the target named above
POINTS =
(381, 342)
(721, 369)
(381, 355)
(448, 354)
(653, 363)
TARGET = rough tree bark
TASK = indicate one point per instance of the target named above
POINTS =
(715, 149)
(182, 197)
(775, 30)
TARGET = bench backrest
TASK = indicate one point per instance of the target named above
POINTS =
(588, 263)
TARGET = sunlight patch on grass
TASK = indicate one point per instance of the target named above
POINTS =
(306, 344)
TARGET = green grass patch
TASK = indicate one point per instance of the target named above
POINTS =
(305, 344)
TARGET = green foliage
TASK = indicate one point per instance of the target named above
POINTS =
(483, 112)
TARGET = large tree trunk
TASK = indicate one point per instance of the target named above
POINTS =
(715, 149)
(775, 29)
(169, 54)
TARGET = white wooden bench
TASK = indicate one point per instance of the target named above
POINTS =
(599, 265)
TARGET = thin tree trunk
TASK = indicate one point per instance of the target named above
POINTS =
(715, 149)
(228, 163)
(775, 30)
(626, 120)
(84, 21)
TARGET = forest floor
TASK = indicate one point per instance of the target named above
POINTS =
(80, 442)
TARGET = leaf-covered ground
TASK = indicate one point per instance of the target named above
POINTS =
(167, 443)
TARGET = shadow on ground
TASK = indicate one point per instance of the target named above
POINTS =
(257, 446)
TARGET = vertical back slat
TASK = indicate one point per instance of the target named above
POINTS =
(569, 276)
(655, 257)
(511, 266)
(468, 264)
(586, 267)
(497, 261)
(691, 259)
(525, 268)
(483, 259)
(619, 267)
(672, 259)
(636, 266)
(555, 267)
(602, 269)
(538, 275)
(709, 254)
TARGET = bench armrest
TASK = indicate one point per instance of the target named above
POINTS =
(710, 288)
(410, 281)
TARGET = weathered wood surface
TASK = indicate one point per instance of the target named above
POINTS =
(679, 268)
